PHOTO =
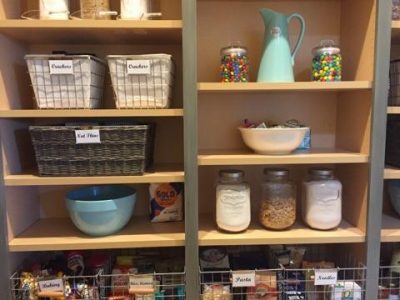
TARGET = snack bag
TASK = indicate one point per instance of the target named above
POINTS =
(166, 202)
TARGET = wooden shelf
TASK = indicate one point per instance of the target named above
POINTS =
(393, 110)
(90, 113)
(395, 32)
(209, 235)
(390, 231)
(93, 31)
(315, 156)
(252, 87)
(61, 234)
(168, 173)
(391, 173)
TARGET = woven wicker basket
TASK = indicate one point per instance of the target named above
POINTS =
(124, 150)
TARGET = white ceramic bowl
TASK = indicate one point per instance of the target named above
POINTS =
(273, 141)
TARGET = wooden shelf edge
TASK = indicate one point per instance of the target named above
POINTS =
(90, 24)
(392, 110)
(391, 173)
(204, 87)
(90, 113)
(163, 174)
(61, 234)
(315, 156)
(390, 231)
(299, 234)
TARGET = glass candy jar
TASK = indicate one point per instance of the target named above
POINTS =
(234, 64)
(278, 202)
(322, 200)
(327, 62)
(233, 201)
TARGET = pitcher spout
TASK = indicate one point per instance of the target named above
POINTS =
(268, 14)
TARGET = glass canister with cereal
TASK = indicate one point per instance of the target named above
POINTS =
(322, 199)
(278, 203)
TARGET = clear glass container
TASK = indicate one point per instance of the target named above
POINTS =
(322, 200)
(327, 62)
(278, 202)
(234, 63)
(233, 201)
(95, 9)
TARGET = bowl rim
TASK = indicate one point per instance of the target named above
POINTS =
(274, 129)
(126, 191)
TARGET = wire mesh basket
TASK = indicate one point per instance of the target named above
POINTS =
(24, 286)
(64, 81)
(120, 150)
(282, 284)
(169, 286)
(142, 81)
(389, 282)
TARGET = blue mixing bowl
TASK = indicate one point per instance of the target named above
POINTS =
(101, 210)
(394, 194)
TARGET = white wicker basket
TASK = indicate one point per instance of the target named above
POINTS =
(79, 85)
(142, 81)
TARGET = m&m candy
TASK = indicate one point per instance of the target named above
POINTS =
(234, 64)
(327, 62)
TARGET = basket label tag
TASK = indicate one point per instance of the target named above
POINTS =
(325, 276)
(244, 279)
(138, 67)
(54, 285)
(87, 136)
(61, 67)
(141, 281)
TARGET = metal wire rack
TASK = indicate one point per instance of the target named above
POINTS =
(150, 88)
(283, 284)
(389, 282)
(80, 88)
(168, 286)
(26, 287)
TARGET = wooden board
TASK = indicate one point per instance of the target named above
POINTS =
(393, 110)
(93, 31)
(316, 156)
(90, 113)
(391, 173)
(390, 231)
(61, 234)
(209, 235)
(395, 32)
(251, 87)
(167, 173)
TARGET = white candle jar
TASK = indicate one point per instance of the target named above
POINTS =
(134, 9)
(322, 200)
(54, 9)
(233, 201)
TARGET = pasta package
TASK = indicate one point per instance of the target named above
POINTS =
(166, 202)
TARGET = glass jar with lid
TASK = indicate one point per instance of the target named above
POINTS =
(278, 202)
(327, 62)
(322, 199)
(234, 63)
(233, 201)
(95, 9)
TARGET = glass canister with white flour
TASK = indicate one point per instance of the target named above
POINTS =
(322, 200)
(233, 201)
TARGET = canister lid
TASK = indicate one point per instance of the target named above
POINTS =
(235, 48)
(326, 46)
(276, 172)
(321, 172)
(231, 174)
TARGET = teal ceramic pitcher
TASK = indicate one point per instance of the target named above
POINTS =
(277, 58)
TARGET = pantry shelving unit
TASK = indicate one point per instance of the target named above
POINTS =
(33, 216)
(199, 136)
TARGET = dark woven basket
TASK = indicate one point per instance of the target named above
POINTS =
(393, 143)
(124, 150)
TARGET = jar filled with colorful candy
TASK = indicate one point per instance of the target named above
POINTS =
(234, 64)
(327, 62)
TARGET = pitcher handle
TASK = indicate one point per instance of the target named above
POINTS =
(301, 35)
